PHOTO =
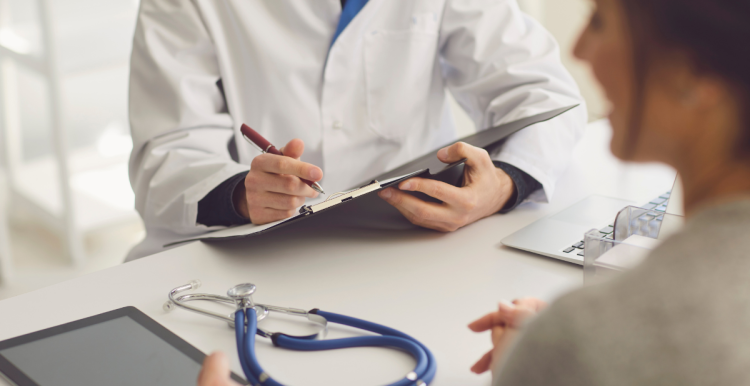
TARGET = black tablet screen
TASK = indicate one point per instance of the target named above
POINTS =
(119, 351)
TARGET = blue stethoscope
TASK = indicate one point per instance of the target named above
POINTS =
(245, 322)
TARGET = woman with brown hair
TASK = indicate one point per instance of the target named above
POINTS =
(677, 74)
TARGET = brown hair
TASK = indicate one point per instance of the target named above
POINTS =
(713, 34)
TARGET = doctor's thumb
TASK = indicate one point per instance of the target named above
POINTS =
(455, 152)
(215, 371)
(294, 148)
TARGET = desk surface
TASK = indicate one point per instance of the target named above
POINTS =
(427, 284)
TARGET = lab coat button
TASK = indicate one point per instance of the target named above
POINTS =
(337, 125)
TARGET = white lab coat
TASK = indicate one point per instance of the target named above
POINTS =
(375, 100)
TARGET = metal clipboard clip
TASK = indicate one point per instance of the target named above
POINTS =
(338, 198)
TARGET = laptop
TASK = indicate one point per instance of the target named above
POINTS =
(560, 236)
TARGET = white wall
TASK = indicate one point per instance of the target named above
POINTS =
(565, 19)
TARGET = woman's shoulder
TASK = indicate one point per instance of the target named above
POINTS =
(685, 304)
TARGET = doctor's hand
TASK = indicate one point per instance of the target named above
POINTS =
(505, 324)
(484, 192)
(215, 371)
(273, 190)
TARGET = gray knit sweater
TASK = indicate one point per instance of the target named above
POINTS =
(681, 318)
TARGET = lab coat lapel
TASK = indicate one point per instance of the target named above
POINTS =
(348, 13)
(356, 23)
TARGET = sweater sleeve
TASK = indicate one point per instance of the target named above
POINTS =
(548, 353)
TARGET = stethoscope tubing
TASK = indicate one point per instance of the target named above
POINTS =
(428, 375)
(364, 341)
(425, 369)
(249, 344)
(239, 328)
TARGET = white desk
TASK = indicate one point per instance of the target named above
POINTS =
(427, 284)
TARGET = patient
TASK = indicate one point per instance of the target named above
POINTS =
(677, 73)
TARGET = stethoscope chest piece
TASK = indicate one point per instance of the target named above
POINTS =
(242, 295)
(241, 291)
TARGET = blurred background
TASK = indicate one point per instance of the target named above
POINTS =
(66, 206)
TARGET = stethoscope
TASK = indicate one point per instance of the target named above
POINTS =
(248, 313)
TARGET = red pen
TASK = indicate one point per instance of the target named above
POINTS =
(264, 146)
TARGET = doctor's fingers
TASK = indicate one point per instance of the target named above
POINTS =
(215, 371)
(280, 183)
(476, 157)
(277, 164)
(294, 148)
(418, 212)
(280, 201)
(260, 215)
(449, 194)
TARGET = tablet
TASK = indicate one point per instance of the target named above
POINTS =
(120, 347)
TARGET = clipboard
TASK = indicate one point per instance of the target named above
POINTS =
(362, 207)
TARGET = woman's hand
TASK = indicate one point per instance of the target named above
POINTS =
(505, 324)
(485, 191)
(273, 190)
(215, 371)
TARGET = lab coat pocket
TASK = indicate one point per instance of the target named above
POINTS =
(398, 75)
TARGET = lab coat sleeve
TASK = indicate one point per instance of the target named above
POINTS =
(501, 66)
(180, 126)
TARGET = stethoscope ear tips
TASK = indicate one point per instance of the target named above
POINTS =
(241, 291)
(169, 305)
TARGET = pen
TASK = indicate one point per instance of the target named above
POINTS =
(264, 146)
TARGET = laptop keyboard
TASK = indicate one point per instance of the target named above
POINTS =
(658, 204)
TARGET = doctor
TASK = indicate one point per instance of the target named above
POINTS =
(359, 87)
